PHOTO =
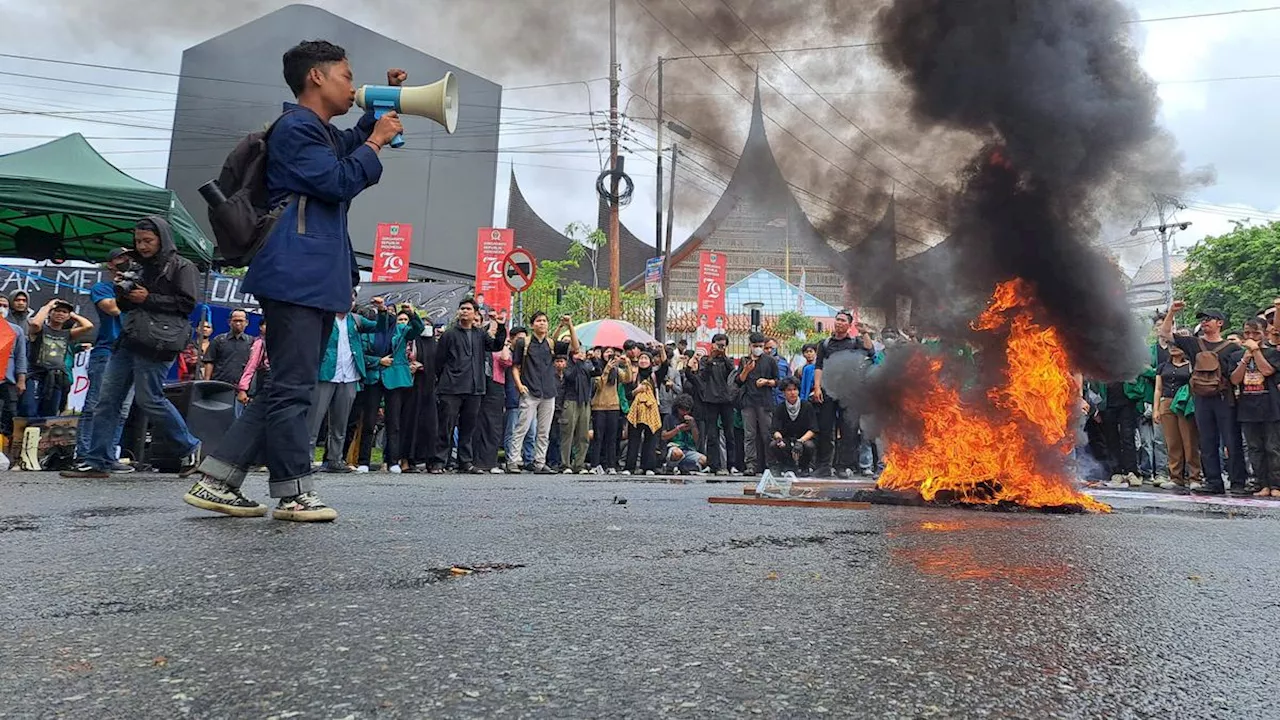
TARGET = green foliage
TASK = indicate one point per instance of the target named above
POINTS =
(586, 246)
(792, 322)
(795, 344)
(1238, 273)
(238, 272)
(581, 302)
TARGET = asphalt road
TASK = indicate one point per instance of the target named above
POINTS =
(120, 601)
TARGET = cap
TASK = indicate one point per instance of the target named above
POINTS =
(1211, 314)
(60, 304)
(117, 252)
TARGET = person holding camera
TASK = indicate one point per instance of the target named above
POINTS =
(103, 296)
(156, 307)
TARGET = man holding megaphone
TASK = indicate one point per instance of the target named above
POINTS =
(302, 275)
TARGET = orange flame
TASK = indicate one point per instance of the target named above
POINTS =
(996, 454)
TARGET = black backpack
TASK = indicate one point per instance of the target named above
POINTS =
(242, 223)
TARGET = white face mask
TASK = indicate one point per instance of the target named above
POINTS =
(757, 351)
(4, 311)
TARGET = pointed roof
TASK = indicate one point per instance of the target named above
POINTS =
(758, 181)
(873, 263)
(545, 242)
(63, 192)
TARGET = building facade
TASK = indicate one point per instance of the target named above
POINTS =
(440, 184)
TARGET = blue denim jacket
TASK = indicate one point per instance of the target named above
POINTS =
(308, 259)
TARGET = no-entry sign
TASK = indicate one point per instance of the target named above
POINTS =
(518, 269)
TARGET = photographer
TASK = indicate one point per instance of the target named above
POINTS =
(103, 296)
(155, 329)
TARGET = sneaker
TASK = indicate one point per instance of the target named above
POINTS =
(626, 472)
(190, 462)
(735, 472)
(513, 469)
(650, 473)
(1121, 483)
(215, 495)
(304, 508)
(543, 469)
(1166, 484)
(394, 470)
(611, 471)
(119, 468)
(1134, 480)
(597, 470)
(337, 468)
(584, 471)
(498, 471)
(362, 469)
(87, 471)
(722, 473)
(567, 471)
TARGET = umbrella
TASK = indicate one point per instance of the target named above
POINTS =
(610, 333)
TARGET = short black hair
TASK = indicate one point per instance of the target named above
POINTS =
(756, 338)
(517, 330)
(534, 317)
(562, 349)
(683, 401)
(788, 382)
(630, 345)
(848, 315)
(467, 301)
(809, 346)
(1256, 324)
(300, 58)
(682, 342)
(718, 337)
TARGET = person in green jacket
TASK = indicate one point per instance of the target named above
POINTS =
(342, 371)
(386, 372)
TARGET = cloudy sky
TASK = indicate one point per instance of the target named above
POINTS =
(116, 83)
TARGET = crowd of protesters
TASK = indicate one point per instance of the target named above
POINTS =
(1204, 417)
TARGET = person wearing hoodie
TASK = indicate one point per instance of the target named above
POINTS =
(165, 294)
(301, 277)
(716, 376)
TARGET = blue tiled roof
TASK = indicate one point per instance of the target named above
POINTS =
(777, 294)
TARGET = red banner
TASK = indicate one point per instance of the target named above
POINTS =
(711, 288)
(492, 245)
(391, 252)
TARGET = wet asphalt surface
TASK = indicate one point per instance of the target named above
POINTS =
(121, 601)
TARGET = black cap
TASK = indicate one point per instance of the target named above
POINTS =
(1211, 314)
(60, 304)
(117, 252)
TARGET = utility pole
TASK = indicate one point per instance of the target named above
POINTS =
(666, 246)
(659, 303)
(615, 299)
(1165, 228)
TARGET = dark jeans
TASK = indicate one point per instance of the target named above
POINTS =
(8, 407)
(1263, 441)
(128, 372)
(48, 397)
(490, 426)
(457, 411)
(604, 446)
(832, 414)
(1216, 421)
(397, 443)
(274, 426)
(723, 412)
(1118, 426)
(371, 400)
(98, 358)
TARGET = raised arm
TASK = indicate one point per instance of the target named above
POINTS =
(82, 326)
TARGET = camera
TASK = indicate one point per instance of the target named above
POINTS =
(129, 278)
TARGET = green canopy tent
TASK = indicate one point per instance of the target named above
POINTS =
(63, 201)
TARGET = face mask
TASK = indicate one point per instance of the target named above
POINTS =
(4, 311)
(757, 351)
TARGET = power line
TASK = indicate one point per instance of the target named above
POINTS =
(816, 48)
(846, 118)
(1222, 13)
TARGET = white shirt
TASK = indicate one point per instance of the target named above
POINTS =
(345, 371)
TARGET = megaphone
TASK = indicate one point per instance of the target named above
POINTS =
(438, 101)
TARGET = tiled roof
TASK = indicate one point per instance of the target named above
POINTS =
(777, 294)
(1153, 272)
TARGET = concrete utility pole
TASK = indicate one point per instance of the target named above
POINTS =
(1165, 229)
(659, 304)
(615, 298)
(666, 246)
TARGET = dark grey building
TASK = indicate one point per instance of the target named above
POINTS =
(441, 184)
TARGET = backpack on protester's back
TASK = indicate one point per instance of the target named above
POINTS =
(239, 209)
(1207, 379)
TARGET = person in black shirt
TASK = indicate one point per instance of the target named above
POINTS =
(1119, 423)
(715, 374)
(795, 425)
(575, 416)
(461, 382)
(1258, 407)
(1215, 414)
(1180, 434)
(535, 376)
(832, 410)
(229, 352)
(758, 376)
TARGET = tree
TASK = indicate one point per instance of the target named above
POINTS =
(586, 247)
(792, 323)
(1238, 273)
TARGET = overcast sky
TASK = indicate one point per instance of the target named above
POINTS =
(1226, 123)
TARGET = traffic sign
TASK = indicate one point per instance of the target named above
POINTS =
(518, 269)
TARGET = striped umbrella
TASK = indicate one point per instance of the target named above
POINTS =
(610, 333)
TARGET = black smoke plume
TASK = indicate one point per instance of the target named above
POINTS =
(1067, 119)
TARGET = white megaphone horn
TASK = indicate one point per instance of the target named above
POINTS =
(437, 101)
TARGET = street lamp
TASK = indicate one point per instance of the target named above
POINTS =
(754, 309)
